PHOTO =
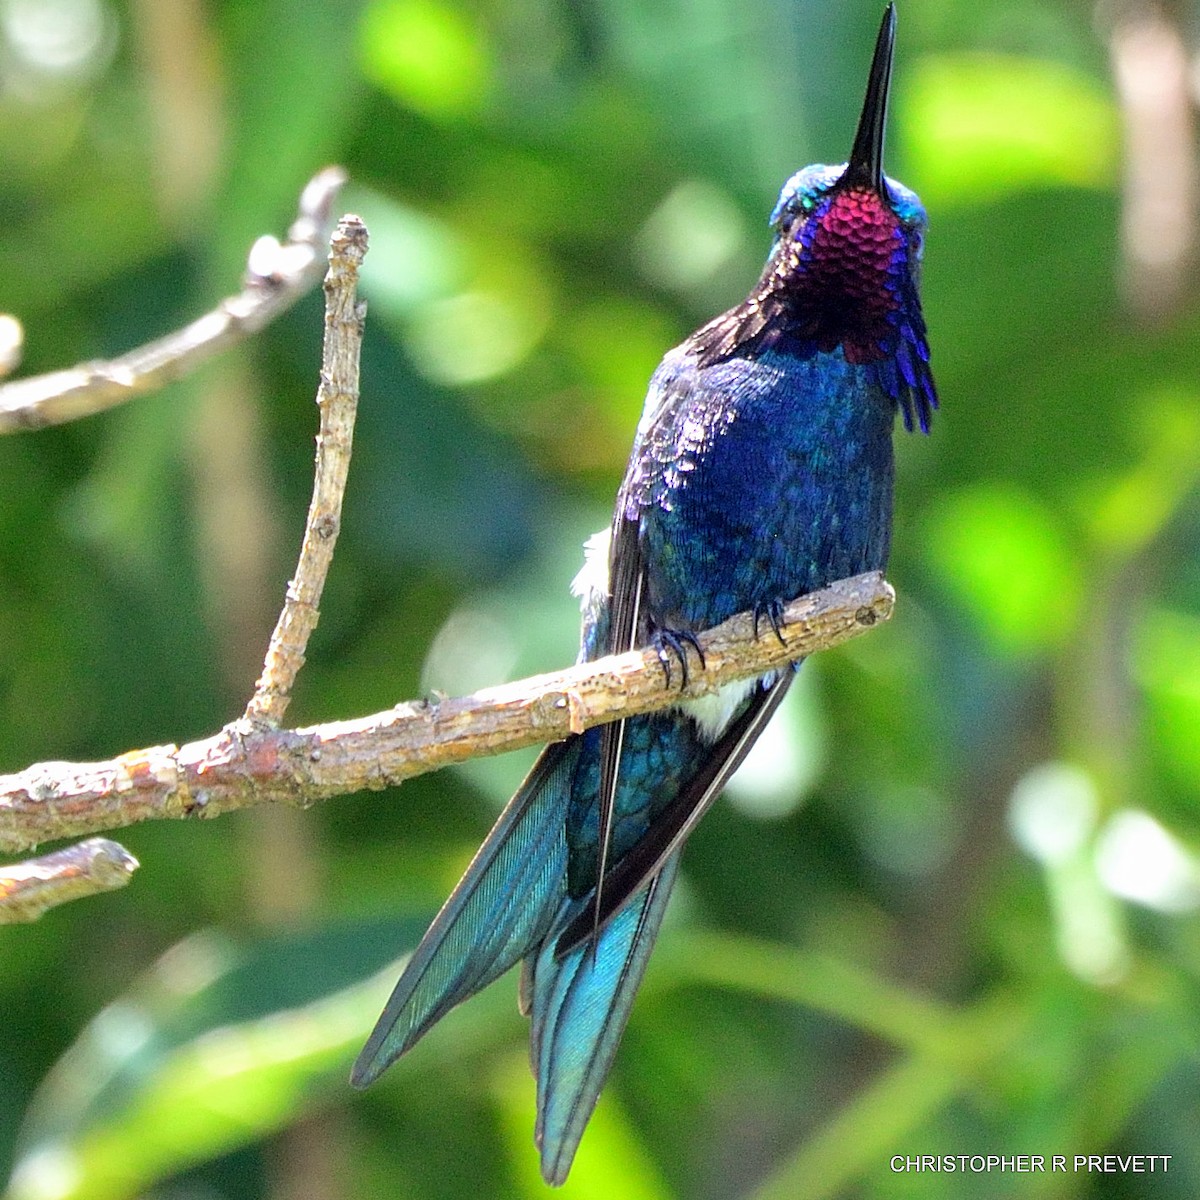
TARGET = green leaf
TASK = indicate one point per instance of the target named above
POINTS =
(214, 1048)
(978, 127)
(427, 55)
(1004, 557)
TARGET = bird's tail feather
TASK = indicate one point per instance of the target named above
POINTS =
(500, 909)
(580, 1005)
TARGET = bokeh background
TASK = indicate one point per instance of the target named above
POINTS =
(950, 908)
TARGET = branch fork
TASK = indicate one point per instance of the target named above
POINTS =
(254, 760)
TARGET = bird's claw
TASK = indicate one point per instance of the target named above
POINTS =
(670, 643)
(773, 611)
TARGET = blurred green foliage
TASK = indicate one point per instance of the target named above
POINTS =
(951, 909)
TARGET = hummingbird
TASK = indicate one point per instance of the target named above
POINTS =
(761, 470)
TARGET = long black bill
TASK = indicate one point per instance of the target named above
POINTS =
(866, 159)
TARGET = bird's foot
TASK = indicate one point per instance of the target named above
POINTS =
(673, 643)
(773, 611)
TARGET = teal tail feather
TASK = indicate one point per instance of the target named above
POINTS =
(580, 1004)
(500, 912)
(512, 905)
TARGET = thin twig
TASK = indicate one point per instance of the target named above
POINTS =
(337, 398)
(244, 765)
(30, 888)
(276, 277)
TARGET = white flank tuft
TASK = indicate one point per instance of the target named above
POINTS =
(591, 584)
(712, 713)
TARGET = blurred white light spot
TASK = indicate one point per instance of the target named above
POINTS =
(12, 339)
(226, 1052)
(475, 648)
(57, 37)
(195, 963)
(49, 1171)
(1053, 811)
(787, 758)
(121, 1030)
(1089, 932)
(691, 235)
(1137, 859)
(1053, 816)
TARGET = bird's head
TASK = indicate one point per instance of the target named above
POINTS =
(847, 256)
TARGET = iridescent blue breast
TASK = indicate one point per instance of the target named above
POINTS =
(760, 479)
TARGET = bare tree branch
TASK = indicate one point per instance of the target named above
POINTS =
(28, 889)
(337, 399)
(244, 765)
(253, 761)
(276, 277)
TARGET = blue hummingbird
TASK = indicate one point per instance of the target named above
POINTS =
(761, 469)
